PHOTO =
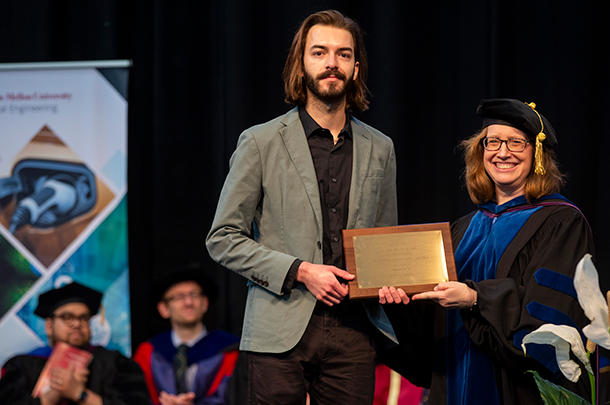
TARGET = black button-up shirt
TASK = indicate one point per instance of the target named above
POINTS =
(333, 166)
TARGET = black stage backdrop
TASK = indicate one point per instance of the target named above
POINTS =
(203, 71)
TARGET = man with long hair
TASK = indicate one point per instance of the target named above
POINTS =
(294, 184)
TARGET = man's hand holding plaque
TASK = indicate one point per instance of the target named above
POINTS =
(393, 295)
(323, 282)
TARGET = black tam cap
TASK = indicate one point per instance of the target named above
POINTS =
(49, 301)
(193, 272)
(517, 114)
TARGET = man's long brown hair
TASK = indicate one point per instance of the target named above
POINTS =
(294, 83)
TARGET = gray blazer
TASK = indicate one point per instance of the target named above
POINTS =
(269, 214)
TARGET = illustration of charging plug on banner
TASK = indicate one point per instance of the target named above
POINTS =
(49, 197)
(48, 193)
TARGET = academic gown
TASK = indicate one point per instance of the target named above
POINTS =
(522, 264)
(215, 354)
(117, 379)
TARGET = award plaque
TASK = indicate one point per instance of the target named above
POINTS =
(412, 257)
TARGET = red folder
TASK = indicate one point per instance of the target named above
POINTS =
(63, 356)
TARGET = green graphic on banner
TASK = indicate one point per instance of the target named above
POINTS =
(16, 275)
(63, 188)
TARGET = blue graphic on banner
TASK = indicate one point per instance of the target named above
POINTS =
(100, 263)
(63, 208)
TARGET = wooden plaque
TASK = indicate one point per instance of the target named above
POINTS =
(412, 257)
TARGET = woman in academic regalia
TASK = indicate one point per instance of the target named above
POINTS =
(515, 256)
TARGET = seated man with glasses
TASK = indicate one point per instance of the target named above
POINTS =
(110, 378)
(187, 364)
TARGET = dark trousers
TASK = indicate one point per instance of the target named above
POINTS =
(334, 362)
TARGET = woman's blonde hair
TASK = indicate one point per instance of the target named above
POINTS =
(481, 187)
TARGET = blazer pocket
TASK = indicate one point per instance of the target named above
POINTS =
(375, 173)
(372, 189)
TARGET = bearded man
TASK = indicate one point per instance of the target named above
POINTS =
(110, 377)
(293, 185)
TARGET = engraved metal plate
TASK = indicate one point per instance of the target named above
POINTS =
(413, 257)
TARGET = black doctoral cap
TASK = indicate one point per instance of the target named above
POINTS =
(517, 114)
(49, 301)
(194, 272)
(523, 116)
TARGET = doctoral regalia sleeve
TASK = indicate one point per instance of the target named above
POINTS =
(143, 356)
(117, 379)
(19, 376)
(533, 286)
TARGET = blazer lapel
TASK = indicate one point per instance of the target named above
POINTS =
(362, 156)
(296, 144)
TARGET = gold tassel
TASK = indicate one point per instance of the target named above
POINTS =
(539, 167)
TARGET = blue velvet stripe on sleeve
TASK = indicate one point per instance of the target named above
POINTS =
(551, 315)
(545, 354)
(556, 281)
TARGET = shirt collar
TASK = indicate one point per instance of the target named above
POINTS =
(310, 125)
(176, 341)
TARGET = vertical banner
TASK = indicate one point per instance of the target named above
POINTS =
(63, 187)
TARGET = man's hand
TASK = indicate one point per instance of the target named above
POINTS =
(322, 281)
(181, 399)
(392, 295)
(451, 295)
(70, 382)
(50, 397)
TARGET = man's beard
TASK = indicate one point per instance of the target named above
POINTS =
(335, 93)
(73, 340)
